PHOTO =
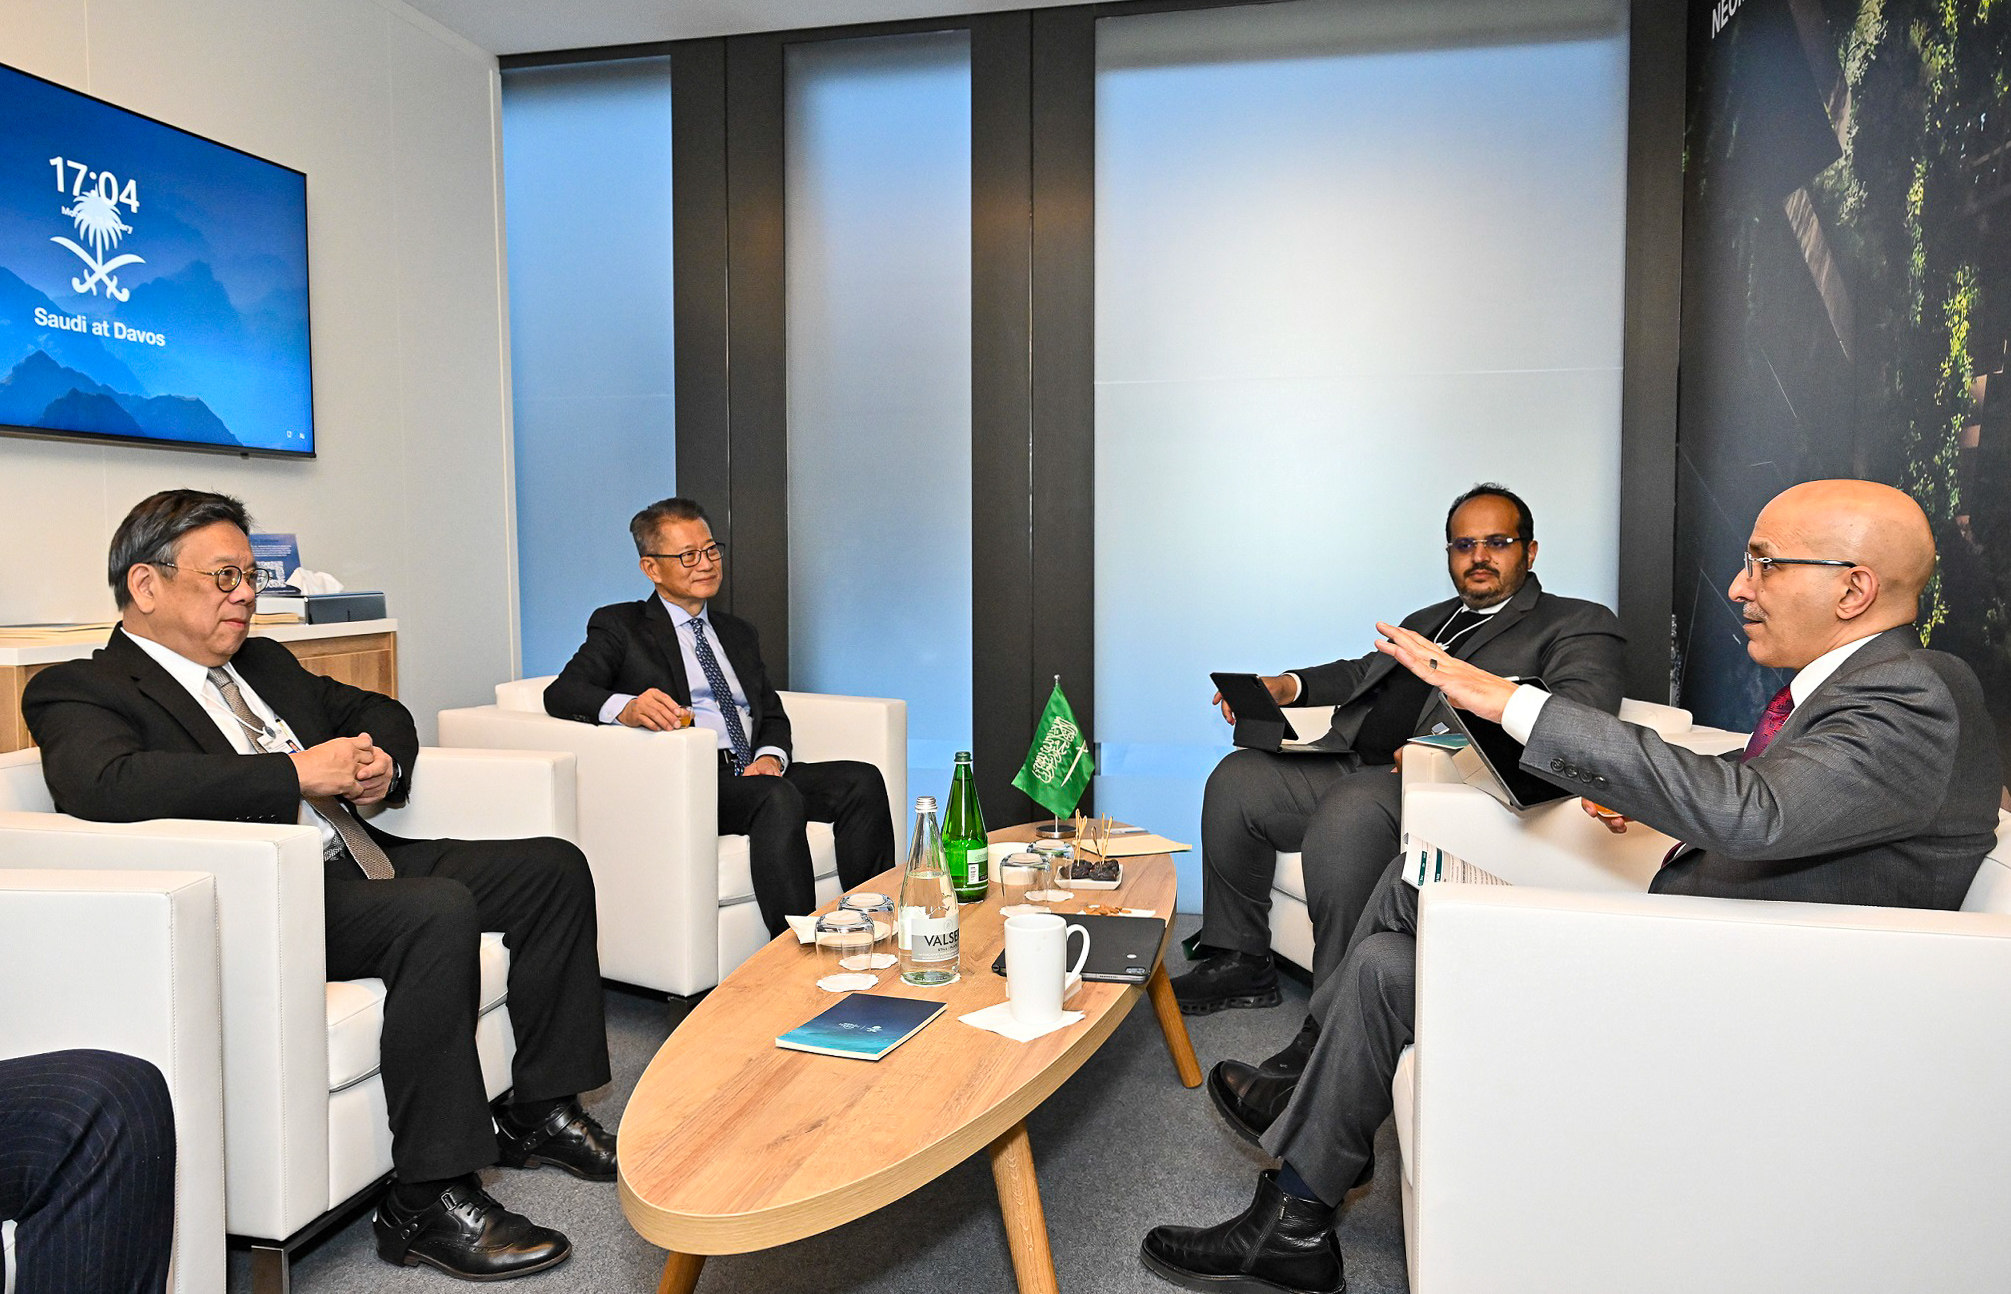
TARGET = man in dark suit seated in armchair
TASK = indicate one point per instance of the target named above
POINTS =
(182, 715)
(1871, 778)
(672, 661)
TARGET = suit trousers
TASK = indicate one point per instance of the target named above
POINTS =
(420, 933)
(1366, 1011)
(771, 813)
(87, 1172)
(1339, 816)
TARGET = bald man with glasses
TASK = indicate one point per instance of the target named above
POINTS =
(673, 661)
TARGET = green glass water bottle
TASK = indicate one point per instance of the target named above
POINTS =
(964, 840)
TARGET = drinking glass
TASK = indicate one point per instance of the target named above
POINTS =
(1060, 856)
(844, 940)
(1022, 880)
(879, 909)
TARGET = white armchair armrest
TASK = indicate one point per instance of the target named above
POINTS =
(274, 971)
(1655, 1093)
(127, 961)
(871, 729)
(648, 815)
(486, 795)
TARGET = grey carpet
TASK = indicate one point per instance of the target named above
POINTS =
(1120, 1148)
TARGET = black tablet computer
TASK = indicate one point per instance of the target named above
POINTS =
(1122, 950)
(1501, 756)
(1260, 722)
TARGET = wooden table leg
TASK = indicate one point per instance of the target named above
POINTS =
(1025, 1223)
(680, 1273)
(1174, 1026)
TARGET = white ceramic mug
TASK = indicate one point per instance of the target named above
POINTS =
(1038, 980)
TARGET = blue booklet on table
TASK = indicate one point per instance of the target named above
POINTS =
(863, 1026)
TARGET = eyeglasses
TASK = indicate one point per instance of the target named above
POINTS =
(710, 553)
(1493, 544)
(228, 577)
(1758, 566)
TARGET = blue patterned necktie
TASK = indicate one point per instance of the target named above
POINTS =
(722, 694)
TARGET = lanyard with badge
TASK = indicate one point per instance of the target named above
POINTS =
(275, 738)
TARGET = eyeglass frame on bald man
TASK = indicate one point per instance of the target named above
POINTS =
(1755, 565)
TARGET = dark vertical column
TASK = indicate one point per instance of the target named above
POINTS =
(698, 252)
(1655, 119)
(1064, 358)
(756, 350)
(1002, 691)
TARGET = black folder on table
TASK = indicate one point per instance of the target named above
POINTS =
(1122, 950)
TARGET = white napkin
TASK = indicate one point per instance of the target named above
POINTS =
(999, 1019)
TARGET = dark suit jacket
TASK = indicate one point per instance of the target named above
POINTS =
(632, 647)
(1880, 789)
(1574, 646)
(122, 741)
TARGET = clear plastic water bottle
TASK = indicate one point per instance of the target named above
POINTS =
(928, 917)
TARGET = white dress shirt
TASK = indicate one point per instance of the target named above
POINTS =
(705, 711)
(194, 679)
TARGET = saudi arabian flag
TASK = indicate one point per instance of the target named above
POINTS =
(1058, 766)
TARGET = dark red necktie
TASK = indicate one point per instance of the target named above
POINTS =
(1764, 731)
(1770, 723)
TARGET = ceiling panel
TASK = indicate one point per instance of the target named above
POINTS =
(528, 26)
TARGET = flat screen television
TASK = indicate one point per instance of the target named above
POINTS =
(153, 283)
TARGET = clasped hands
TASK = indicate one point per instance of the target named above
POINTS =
(1470, 688)
(348, 768)
(655, 710)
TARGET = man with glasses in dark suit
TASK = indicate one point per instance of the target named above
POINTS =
(1339, 809)
(183, 715)
(674, 661)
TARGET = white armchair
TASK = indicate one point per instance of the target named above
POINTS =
(1655, 1093)
(1547, 838)
(677, 910)
(303, 1105)
(127, 961)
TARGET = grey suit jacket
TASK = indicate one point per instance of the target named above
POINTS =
(1574, 646)
(1880, 789)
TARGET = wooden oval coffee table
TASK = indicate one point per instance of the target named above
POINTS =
(731, 1144)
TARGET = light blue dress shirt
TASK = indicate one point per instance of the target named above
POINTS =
(705, 711)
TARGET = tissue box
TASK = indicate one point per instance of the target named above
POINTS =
(338, 608)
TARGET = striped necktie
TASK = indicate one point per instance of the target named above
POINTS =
(722, 695)
(367, 853)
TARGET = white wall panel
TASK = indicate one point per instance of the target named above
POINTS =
(393, 121)
(1335, 288)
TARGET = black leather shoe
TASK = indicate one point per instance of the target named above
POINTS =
(1280, 1243)
(1248, 1098)
(1227, 979)
(467, 1235)
(568, 1137)
(1291, 1062)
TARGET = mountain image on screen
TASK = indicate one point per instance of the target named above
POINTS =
(153, 284)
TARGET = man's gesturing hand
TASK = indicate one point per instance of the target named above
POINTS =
(1464, 685)
(656, 711)
(335, 766)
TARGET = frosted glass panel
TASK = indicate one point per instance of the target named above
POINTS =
(878, 158)
(1334, 290)
(586, 178)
